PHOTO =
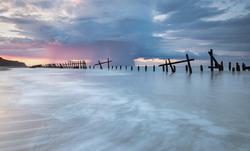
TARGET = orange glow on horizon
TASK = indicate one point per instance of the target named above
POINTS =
(35, 61)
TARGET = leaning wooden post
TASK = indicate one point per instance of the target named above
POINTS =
(154, 68)
(211, 60)
(201, 68)
(189, 65)
(186, 67)
(229, 66)
(100, 64)
(170, 64)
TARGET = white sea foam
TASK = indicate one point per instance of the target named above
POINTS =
(61, 110)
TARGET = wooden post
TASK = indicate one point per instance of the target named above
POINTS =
(131, 68)
(229, 66)
(108, 63)
(112, 67)
(163, 68)
(100, 64)
(186, 67)
(201, 68)
(233, 69)
(166, 65)
(138, 68)
(120, 67)
(170, 64)
(154, 68)
(174, 68)
(115, 67)
(211, 60)
(237, 66)
(189, 65)
(126, 67)
(243, 67)
(146, 68)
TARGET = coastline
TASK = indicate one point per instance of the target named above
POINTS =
(2, 68)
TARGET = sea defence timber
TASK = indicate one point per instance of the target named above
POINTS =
(214, 65)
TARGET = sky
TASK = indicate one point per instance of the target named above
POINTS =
(41, 31)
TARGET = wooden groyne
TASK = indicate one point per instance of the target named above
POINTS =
(214, 65)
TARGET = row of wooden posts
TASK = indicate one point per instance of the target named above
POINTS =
(214, 64)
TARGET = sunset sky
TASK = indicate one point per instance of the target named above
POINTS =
(41, 31)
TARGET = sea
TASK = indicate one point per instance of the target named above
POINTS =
(123, 110)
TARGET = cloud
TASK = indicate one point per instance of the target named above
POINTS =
(124, 30)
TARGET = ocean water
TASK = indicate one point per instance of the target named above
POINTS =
(93, 110)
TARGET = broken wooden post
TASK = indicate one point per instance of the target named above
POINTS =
(229, 66)
(237, 66)
(201, 68)
(189, 65)
(154, 68)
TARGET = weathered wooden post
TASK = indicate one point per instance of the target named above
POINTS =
(233, 69)
(201, 68)
(229, 66)
(154, 68)
(100, 64)
(146, 68)
(243, 67)
(189, 65)
(108, 62)
(171, 66)
(211, 60)
(237, 66)
(222, 66)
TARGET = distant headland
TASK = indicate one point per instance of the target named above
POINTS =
(11, 63)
